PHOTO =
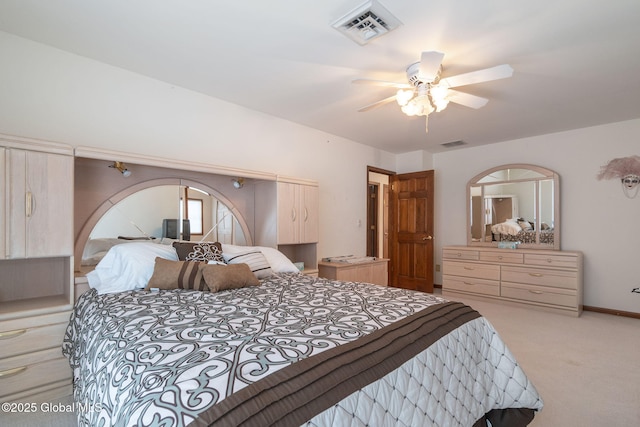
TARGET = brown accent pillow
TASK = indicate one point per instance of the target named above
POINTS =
(169, 274)
(220, 277)
(203, 251)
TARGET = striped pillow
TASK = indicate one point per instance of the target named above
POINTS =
(256, 261)
(177, 275)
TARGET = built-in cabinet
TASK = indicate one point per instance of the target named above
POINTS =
(36, 267)
(287, 218)
(297, 207)
(546, 279)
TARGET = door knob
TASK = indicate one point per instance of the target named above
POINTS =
(427, 238)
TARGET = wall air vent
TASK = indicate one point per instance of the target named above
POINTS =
(366, 22)
(454, 144)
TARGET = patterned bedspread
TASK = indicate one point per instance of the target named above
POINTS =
(143, 358)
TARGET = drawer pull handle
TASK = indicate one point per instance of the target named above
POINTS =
(536, 274)
(549, 260)
(500, 257)
(11, 372)
(11, 334)
(468, 268)
(469, 284)
(536, 292)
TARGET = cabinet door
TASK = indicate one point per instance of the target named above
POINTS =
(309, 206)
(288, 215)
(40, 204)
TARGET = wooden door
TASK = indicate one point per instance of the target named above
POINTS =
(411, 229)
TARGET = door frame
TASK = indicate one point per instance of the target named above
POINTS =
(370, 170)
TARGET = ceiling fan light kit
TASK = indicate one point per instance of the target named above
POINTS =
(427, 91)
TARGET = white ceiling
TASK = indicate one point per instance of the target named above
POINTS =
(576, 62)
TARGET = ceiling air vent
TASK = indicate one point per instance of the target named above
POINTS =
(454, 144)
(366, 22)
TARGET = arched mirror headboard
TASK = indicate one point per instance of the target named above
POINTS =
(514, 203)
(109, 205)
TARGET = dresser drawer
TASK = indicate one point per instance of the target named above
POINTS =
(21, 373)
(28, 339)
(470, 284)
(465, 254)
(540, 276)
(539, 294)
(504, 256)
(563, 261)
(467, 269)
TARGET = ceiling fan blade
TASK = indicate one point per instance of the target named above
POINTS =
(381, 83)
(494, 73)
(377, 104)
(468, 100)
(430, 65)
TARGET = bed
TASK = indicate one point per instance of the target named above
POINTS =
(522, 231)
(267, 345)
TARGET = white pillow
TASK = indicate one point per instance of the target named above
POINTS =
(255, 259)
(128, 266)
(507, 227)
(277, 260)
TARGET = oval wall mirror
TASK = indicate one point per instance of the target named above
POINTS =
(516, 203)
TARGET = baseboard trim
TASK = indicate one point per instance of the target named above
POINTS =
(611, 311)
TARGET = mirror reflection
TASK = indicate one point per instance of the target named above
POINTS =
(514, 203)
(164, 213)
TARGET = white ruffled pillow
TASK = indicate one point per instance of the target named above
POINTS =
(128, 266)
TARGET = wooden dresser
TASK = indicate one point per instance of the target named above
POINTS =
(551, 280)
(370, 272)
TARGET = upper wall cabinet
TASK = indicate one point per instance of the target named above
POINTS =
(515, 203)
(37, 195)
(297, 213)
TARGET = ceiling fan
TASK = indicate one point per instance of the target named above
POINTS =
(427, 91)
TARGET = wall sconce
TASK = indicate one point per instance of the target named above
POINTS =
(122, 168)
(238, 182)
(627, 170)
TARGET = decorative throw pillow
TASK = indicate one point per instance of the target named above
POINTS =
(203, 251)
(220, 277)
(526, 225)
(255, 259)
(177, 275)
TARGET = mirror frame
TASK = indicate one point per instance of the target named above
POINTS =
(546, 175)
(85, 231)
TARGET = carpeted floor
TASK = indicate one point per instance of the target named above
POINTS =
(587, 369)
